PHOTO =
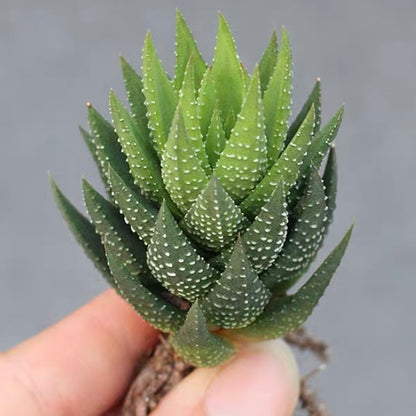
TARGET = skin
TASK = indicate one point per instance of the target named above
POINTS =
(83, 366)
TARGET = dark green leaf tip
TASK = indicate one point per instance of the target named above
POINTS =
(214, 220)
(238, 296)
(196, 344)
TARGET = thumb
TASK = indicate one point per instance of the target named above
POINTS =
(263, 379)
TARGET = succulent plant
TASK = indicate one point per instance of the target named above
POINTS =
(216, 206)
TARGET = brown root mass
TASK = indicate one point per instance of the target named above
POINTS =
(162, 369)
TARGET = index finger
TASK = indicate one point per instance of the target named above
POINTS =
(81, 365)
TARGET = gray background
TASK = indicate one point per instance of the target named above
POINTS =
(55, 55)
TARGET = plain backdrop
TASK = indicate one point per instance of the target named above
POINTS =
(55, 55)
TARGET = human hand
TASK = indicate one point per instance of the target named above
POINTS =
(83, 366)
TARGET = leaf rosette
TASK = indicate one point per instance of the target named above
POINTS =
(216, 205)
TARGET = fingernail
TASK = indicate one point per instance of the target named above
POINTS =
(262, 380)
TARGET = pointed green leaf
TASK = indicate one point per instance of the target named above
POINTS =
(330, 185)
(286, 169)
(244, 159)
(330, 180)
(161, 99)
(84, 232)
(227, 71)
(185, 47)
(141, 158)
(112, 228)
(108, 149)
(317, 150)
(304, 237)
(277, 101)
(207, 99)
(323, 140)
(174, 262)
(265, 237)
(215, 138)
(238, 297)
(268, 62)
(330, 188)
(214, 220)
(89, 141)
(159, 313)
(197, 345)
(187, 101)
(137, 211)
(315, 99)
(284, 315)
(182, 172)
(134, 90)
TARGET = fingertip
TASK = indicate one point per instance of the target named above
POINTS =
(262, 379)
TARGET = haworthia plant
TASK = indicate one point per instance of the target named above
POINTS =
(216, 202)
